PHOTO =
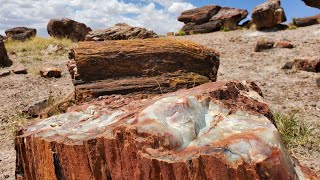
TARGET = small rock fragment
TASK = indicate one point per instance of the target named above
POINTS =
(288, 65)
(318, 82)
(170, 34)
(50, 72)
(284, 44)
(263, 44)
(52, 49)
(307, 64)
(19, 69)
(36, 108)
(5, 72)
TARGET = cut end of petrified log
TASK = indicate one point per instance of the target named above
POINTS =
(216, 130)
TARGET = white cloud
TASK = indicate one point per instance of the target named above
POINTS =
(178, 7)
(96, 13)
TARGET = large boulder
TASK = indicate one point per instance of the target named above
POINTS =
(20, 33)
(230, 17)
(221, 130)
(120, 31)
(268, 14)
(307, 21)
(4, 59)
(199, 15)
(312, 3)
(211, 18)
(68, 28)
(192, 28)
(141, 65)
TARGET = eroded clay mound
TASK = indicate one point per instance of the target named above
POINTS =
(216, 130)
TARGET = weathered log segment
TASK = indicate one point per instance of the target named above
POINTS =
(213, 131)
(150, 65)
(4, 59)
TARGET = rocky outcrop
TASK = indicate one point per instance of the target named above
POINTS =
(312, 3)
(21, 33)
(221, 130)
(268, 14)
(211, 18)
(199, 15)
(68, 28)
(4, 59)
(307, 21)
(230, 17)
(148, 66)
(120, 31)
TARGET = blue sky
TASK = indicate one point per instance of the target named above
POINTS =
(158, 15)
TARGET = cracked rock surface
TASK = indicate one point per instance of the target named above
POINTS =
(216, 130)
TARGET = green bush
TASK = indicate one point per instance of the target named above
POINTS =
(295, 131)
(180, 33)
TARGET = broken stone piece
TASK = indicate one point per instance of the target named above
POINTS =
(50, 72)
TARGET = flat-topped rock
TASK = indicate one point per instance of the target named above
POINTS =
(199, 15)
(230, 17)
(20, 33)
(211, 18)
(213, 131)
(120, 31)
(307, 21)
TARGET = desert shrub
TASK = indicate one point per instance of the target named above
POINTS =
(180, 33)
(296, 132)
(225, 29)
(292, 27)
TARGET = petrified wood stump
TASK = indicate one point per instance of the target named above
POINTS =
(143, 66)
(213, 131)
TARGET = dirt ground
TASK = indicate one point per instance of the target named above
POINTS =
(18, 92)
(286, 91)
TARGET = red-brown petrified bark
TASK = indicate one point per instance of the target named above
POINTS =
(213, 131)
(141, 66)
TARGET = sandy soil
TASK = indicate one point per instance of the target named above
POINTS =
(286, 91)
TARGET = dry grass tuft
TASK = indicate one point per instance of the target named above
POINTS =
(35, 45)
(296, 133)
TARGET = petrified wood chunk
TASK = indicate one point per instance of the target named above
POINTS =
(304, 64)
(268, 15)
(307, 21)
(155, 65)
(214, 131)
(312, 3)
(4, 59)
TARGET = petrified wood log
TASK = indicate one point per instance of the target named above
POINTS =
(213, 131)
(150, 57)
(150, 65)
